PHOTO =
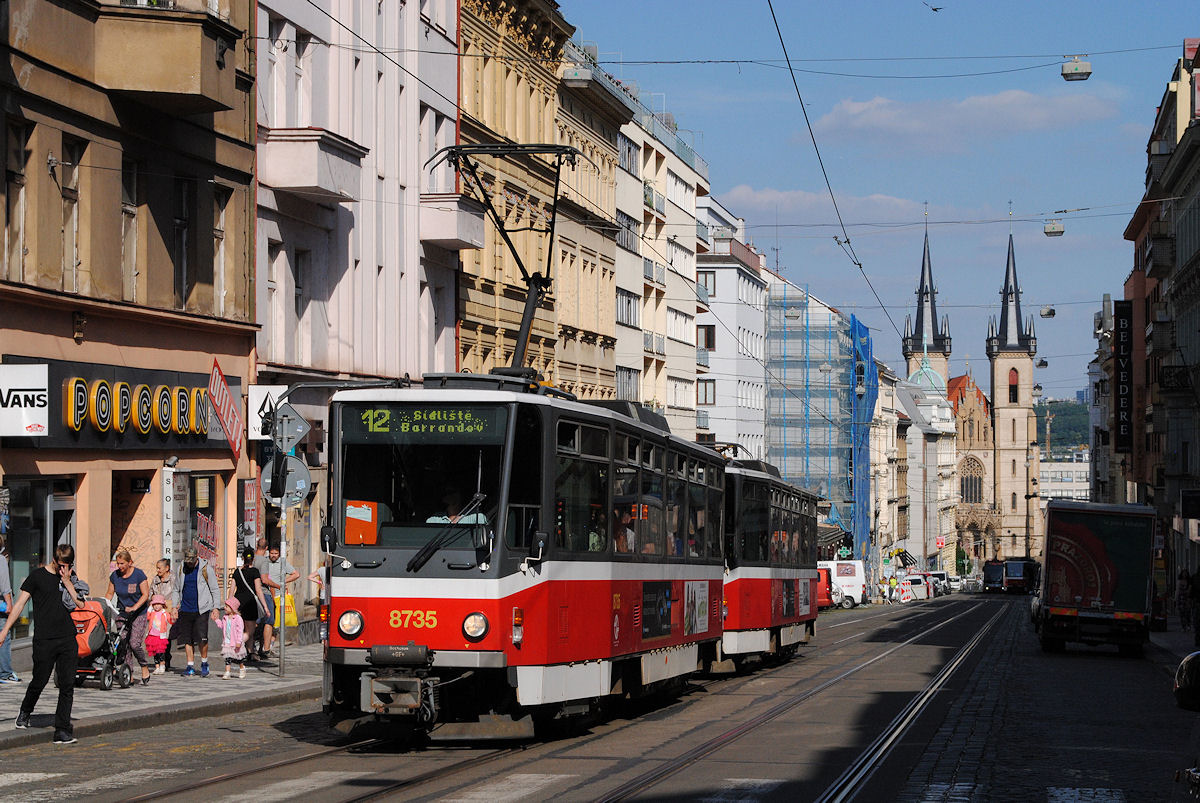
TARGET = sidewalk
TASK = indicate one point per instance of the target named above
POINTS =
(1180, 643)
(168, 698)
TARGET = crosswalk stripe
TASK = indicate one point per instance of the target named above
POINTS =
(293, 787)
(521, 786)
(104, 783)
(18, 778)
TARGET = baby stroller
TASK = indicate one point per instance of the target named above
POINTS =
(103, 639)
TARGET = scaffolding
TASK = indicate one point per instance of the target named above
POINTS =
(821, 389)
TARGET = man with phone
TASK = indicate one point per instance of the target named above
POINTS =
(54, 648)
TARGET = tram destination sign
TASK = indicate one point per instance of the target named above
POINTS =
(424, 423)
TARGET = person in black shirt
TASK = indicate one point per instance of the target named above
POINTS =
(53, 638)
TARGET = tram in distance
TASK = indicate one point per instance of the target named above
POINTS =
(500, 550)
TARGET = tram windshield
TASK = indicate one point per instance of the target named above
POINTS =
(415, 473)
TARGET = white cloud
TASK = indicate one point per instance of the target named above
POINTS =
(953, 124)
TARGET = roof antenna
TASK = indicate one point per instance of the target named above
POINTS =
(926, 217)
(1010, 216)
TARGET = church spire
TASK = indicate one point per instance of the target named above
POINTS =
(926, 335)
(1012, 334)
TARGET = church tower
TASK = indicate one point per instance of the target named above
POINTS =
(1011, 347)
(927, 338)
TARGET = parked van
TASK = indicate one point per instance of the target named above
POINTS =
(828, 595)
(850, 576)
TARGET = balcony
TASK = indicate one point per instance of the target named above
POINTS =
(660, 345)
(654, 200)
(1160, 337)
(648, 269)
(703, 238)
(660, 273)
(702, 358)
(176, 56)
(452, 221)
(312, 163)
(701, 298)
(702, 419)
(647, 342)
(1160, 256)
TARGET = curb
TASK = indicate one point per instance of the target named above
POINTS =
(165, 715)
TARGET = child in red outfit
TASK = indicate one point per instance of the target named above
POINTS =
(157, 641)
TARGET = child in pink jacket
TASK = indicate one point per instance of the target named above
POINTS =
(233, 639)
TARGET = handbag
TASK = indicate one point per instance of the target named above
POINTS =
(289, 610)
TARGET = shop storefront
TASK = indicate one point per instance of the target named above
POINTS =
(121, 457)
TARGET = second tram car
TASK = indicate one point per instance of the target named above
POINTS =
(499, 549)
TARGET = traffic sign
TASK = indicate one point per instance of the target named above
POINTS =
(296, 482)
(290, 428)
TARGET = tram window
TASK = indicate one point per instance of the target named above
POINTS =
(580, 497)
(632, 450)
(593, 441)
(754, 522)
(697, 518)
(627, 519)
(652, 456)
(677, 464)
(654, 530)
(712, 525)
(525, 483)
(677, 516)
(568, 437)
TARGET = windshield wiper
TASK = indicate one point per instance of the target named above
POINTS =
(445, 535)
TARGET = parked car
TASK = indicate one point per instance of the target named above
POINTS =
(828, 595)
(941, 583)
(956, 583)
(848, 574)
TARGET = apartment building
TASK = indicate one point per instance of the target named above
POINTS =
(731, 336)
(127, 278)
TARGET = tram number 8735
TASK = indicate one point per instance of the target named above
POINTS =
(418, 619)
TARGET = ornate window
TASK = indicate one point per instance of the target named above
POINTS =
(1013, 378)
(970, 481)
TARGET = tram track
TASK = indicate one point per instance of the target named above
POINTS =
(654, 777)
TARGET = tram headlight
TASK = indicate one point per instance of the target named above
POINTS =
(350, 624)
(475, 627)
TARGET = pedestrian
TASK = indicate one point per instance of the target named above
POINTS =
(7, 675)
(248, 589)
(161, 585)
(233, 639)
(158, 633)
(196, 594)
(275, 579)
(132, 589)
(51, 587)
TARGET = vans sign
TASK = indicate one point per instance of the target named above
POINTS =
(24, 401)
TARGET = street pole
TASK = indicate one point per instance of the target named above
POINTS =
(283, 534)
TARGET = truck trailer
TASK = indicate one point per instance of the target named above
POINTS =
(1097, 581)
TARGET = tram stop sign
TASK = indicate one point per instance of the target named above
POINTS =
(296, 482)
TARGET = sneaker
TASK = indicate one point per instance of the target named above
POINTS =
(10, 679)
(189, 672)
(204, 669)
(227, 674)
(64, 737)
(160, 670)
(22, 720)
(242, 672)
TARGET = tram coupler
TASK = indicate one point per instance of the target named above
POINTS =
(394, 694)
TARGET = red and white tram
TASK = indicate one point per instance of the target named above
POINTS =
(499, 549)
(770, 557)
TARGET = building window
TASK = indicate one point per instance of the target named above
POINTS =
(706, 391)
(73, 150)
(708, 280)
(628, 380)
(706, 336)
(680, 326)
(1013, 380)
(181, 246)
(1014, 501)
(629, 307)
(680, 392)
(682, 260)
(129, 230)
(627, 232)
(220, 204)
(970, 481)
(628, 154)
(17, 156)
(680, 193)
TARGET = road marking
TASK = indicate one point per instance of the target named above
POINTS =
(293, 787)
(739, 789)
(17, 778)
(521, 786)
(1066, 794)
(847, 638)
(118, 781)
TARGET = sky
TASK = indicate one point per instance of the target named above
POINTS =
(962, 108)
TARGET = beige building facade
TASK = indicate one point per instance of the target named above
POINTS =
(127, 277)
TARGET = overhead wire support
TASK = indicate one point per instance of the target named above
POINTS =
(464, 158)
